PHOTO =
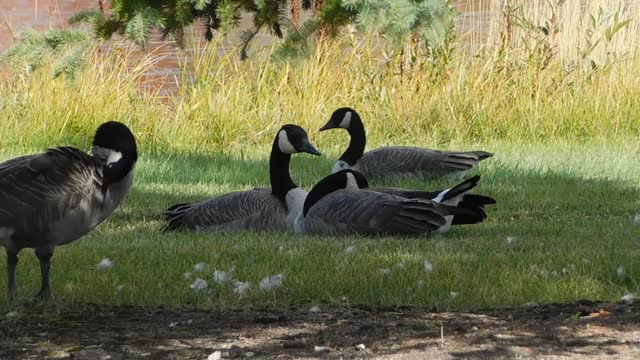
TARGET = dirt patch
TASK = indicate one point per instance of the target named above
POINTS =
(553, 331)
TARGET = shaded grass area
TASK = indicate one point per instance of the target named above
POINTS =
(563, 226)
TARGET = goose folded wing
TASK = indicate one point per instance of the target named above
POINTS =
(459, 160)
(42, 187)
(370, 212)
(229, 208)
(403, 159)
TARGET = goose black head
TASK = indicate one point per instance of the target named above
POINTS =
(115, 145)
(341, 118)
(344, 179)
(293, 139)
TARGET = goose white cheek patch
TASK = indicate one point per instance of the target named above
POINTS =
(114, 157)
(284, 144)
(346, 121)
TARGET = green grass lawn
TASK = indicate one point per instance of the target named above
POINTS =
(563, 225)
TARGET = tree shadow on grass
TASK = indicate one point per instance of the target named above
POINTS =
(522, 195)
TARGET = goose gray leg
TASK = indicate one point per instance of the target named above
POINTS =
(44, 254)
(12, 263)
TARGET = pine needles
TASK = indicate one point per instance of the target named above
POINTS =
(64, 48)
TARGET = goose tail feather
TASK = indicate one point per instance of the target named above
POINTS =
(461, 188)
(475, 200)
(466, 216)
(174, 217)
(482, 154)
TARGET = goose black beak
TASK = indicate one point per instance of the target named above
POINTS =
(309, 148)
(327, 126)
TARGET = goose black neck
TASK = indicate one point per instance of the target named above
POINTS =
(357, 143)
(323, 188)
(281, 181)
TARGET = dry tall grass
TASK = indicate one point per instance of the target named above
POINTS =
(525, 87)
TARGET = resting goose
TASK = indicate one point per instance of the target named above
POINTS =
(56, 197)
(396, 161)
(455, 196)
(257, 209)
(341, 204)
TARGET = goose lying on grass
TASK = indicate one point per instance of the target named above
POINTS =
(341, 204)
(56, 197)
(396, 161)
(256, 209)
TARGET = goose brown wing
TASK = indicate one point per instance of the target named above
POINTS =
(39, 190)
(370, 212)
(243, 207)
(398, 160)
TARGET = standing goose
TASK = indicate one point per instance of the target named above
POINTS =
(257, 209)
(396, 161)
(341, 204)
(56, 197)
(455, 196)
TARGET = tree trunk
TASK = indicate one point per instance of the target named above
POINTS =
(104, 5)
(295, 12)
(318, 6)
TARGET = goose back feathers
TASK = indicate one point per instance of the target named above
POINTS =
(396, 161)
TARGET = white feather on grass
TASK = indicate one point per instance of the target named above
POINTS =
(350, 250)
(240, 288)
(104, 264)
(428, 266)
(201, 266)
(222, 277)
(199, 285)
(628, 298)
(271, 282)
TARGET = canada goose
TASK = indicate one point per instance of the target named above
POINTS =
(396, 161)
(455, 196)
(257, 209)
(341, 204)
(56, 197)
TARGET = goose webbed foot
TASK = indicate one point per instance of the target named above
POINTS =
(43, 294)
